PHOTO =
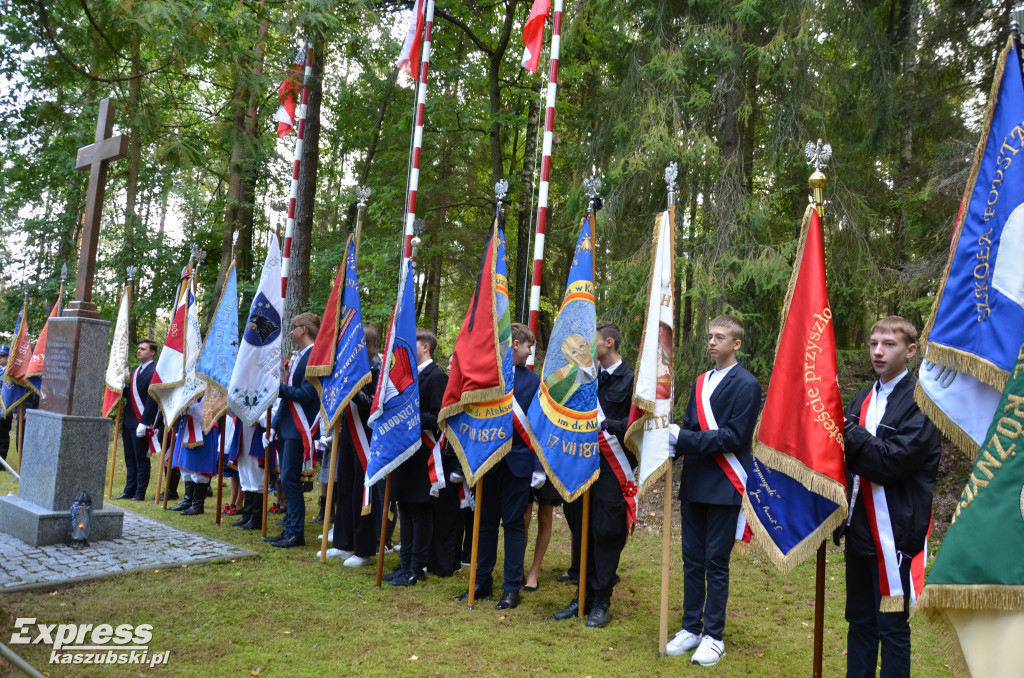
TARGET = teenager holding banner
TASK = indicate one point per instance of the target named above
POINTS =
(138, 440)
(715, 439)
(892, 458)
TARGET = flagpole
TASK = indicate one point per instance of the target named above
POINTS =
(417, 141)
(300, 133)
(222, 425)
(479, 493)
(817, 182)
(113, 457)
(666, 514)
(21, 430)
(330, 486)
(266, 479)
(386, 508)
(160, 469)
(545, 175)
(169, 460)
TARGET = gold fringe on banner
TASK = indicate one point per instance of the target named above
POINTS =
(945, 425)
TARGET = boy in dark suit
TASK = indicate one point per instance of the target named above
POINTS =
(410, 482)
(892, 458)
(135, 434)
(507, 491)
(299, 405)
(715, 439)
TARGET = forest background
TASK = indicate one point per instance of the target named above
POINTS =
(731, 90)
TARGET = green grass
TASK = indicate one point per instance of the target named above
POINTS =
(284, 614)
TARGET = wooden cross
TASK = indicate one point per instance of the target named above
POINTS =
(94, 158)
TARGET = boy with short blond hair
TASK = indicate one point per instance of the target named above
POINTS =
(892, 459)
(715, 440)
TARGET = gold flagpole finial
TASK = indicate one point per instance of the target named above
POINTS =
(818, 155)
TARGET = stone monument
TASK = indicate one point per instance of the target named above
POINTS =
(66, 441)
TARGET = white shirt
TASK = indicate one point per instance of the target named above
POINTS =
(880, 398)
(423, 365)
(296, 357)
(610, 370)
(715, 377)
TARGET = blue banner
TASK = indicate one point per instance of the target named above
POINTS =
(563, 415)
(217, 359)
(395, 417)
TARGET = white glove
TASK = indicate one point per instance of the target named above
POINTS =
(140, 431)
(268, 437)
(673, 434)
(324, 443)
(456, 477)
(538, 479)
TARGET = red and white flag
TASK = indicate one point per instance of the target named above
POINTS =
(288, 95)
(409, 58)
(651, 411)
(175, 384)
(117, 364)
(533, 34)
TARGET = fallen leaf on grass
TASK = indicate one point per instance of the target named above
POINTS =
(804, 623)
(501, 616)
(413, 658)
(257, 671)
(287, 633)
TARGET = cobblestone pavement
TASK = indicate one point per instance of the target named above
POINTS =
(144, 544)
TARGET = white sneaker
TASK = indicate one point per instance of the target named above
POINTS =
(356, 561)
(330, 535)
(683, 642)
(336, 554)
(708, 652)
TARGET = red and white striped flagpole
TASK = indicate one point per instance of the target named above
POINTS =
(300, 132)
(545, 175)
(417, 139)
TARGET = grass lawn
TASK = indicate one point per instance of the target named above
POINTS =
(285, 614)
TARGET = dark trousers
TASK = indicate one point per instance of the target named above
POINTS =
(291, 485)
(352, 530)
(607, 534)
(870, 628)
(503, 500)
(136, 463)
(5, 435)
(379, 510)
(708, 532)
(417, 524)
(446, 542)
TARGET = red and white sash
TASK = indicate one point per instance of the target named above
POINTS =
(880, 522)
(521, 424)
(357, 434)
(435, 469)
(308, 432)
(466, 497)
(730, 465)
(192, 431)
(138, 406)
(613, 453)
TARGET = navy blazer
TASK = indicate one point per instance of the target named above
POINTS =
(150, 408)
(735, 404)
(520, 459)
(302, 393)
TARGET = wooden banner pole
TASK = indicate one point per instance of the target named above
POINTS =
(117, 435)
(222, 425)
(383, 529)
(584, 540)
(479, 493)
(160, 469)
(666, 555)
(330, 488)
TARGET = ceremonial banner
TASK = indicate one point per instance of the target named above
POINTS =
(338, 364)
(978, 318)
(256, 376)
(533, 34)
(288, 94)
(395, 414)
(975, 590)
(15, 387)
(409, 57)
(563, 414)
(175, 384)
(796, 488)
(117, 365)
(651, 412)
(217, 357)
(476, 413)
(38, 360)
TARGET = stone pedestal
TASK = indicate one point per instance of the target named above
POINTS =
(66, 445)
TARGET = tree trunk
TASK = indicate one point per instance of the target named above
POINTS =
(524, 212)
(298, 272)
(131, 220)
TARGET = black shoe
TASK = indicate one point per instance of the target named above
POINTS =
(570, 610)
(479, 593)
(256, 519)
(599, 616)
(139, 497)
(187, 501)
(247, 507)
(172, 495)
(126, 495)
(531, 589)
(271, 539)
(397, 572)
(407, 578)
(198, 500)
(565, 576)
(508, 601)
(320, 516)
(289, 540)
